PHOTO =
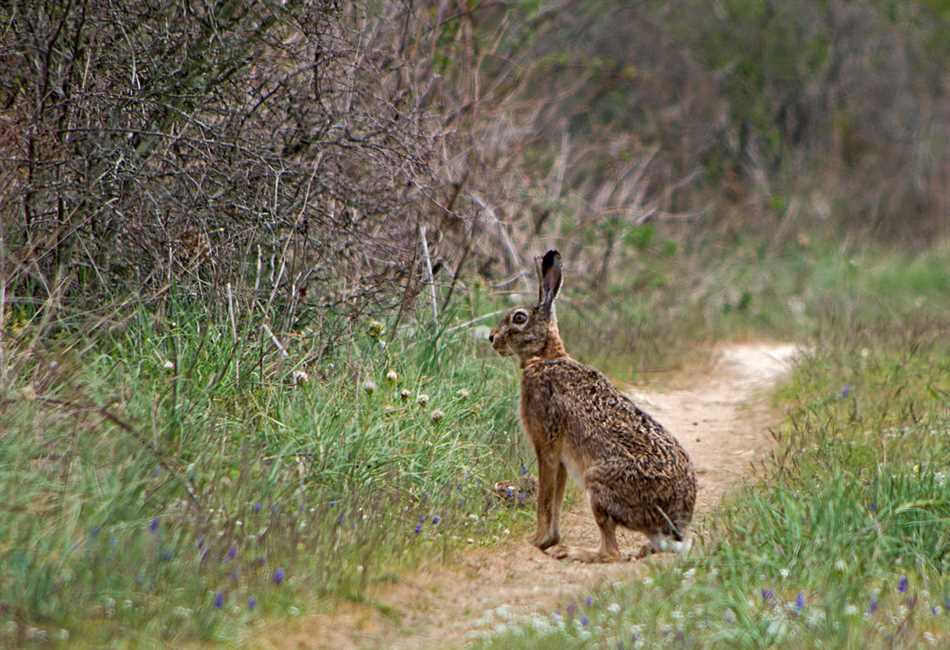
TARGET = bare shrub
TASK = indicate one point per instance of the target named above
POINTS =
(276, 146)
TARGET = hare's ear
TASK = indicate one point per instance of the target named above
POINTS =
(537, 267)
(550, 279)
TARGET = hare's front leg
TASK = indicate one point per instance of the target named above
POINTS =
(552, 477)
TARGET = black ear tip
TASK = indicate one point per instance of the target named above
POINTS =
(551, 258)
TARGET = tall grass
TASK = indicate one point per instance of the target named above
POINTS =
(171, 483)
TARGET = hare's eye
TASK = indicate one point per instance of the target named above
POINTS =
(519, 318)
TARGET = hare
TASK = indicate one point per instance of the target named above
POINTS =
(634, 473)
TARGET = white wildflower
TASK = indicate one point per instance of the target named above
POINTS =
(784, 573)
(815, 617)
(405, 394)
(182, 612)
(392, 375)
(463, 393)
(36, 634)
(840, 565)
(422, 399)
(647, 581)
(930, 638)
(369, 386)
(850, 609)
(613, 608)
(293, 611)
(299, 377)
(676, 615)
(168, 365)
(437, 415)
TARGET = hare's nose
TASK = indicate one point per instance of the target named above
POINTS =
(491, 338)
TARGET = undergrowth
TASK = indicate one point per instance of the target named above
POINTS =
(172, 481)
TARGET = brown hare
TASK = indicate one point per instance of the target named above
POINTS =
(634, 473)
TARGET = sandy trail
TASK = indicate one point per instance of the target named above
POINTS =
(721, 417)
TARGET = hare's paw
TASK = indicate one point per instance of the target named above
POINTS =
(545, 540)
(645, 551)
(558, 552)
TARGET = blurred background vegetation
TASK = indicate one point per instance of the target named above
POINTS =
(225, 226)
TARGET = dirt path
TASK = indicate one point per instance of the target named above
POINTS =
(721, 418)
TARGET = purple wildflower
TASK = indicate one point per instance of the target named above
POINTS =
(521, 497)
(95, 531)
(436, 519)
(339, 519)
(509, 491)
(278, 576)
(935, 610)
(589, 601)
(800, 601)
(872, 506)
(251, 602)
(768, 595)
(232, 552)
(523, 471)
(418, 528)
(571, 608)
(200, 541)
(872, 606)
(218, 600)
(584, 620)
(257, 508)
(153, 525)
(902, 584)
(845, 391)
(165, 555)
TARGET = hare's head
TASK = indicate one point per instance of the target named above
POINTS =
(531, 332)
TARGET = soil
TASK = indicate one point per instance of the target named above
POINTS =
(721, 415)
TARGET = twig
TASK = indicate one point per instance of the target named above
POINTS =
(283, 351)
(474, 320)
(428, 260)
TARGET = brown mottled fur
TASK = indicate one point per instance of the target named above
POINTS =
(635, 474)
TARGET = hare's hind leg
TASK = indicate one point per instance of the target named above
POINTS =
(609, 550)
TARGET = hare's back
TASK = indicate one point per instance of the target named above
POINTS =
(584, 403)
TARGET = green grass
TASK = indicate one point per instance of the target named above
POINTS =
(667, 309)
(134, 461)
(165, 470)
(815, 553)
